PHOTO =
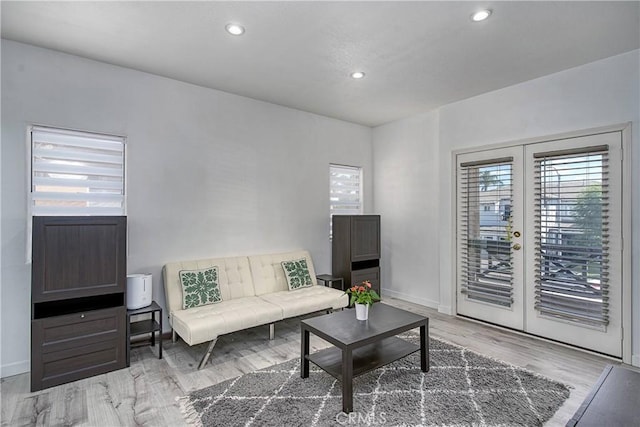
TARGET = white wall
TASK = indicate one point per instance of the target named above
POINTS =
(406, 195)
(602, 93)
(209, 173)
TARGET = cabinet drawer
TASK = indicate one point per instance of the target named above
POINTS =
(75, 363)
(75, 330)
(370, 274)
(70, 347)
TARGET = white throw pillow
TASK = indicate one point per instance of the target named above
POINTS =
(200, 287)
(297, 274)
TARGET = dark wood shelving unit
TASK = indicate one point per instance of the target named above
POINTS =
(78, 285)
(355, 249)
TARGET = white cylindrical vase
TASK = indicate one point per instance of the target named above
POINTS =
(362, 311)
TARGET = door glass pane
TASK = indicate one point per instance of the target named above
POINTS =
(571, 237)
(486, 222)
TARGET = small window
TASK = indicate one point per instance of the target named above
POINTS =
(76, 173)
(345, 191)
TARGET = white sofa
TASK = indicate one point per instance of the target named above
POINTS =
(254, 292)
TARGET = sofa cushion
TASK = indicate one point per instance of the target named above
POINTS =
(200, 287)
(207, 322)
(234, 279)
(297, 274)
(268, 274)
(307, 300)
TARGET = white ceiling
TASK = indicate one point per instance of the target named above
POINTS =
(416, 55)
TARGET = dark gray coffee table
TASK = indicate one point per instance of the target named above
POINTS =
(362, 345)
(613, 401)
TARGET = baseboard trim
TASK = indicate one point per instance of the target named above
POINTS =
(15, 368)
(635, 360)
(409, 298)
(445, 309)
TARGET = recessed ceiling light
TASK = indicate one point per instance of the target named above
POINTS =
(357, 75)
(235, 29)
(481, 15)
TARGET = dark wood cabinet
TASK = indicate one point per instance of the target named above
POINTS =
(78, 311)
(364, 236)
(370, 274)
(76, 257)
(355, 253)
(75, 346)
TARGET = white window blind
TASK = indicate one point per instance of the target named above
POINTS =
(76, 173)
(572, 235)
(486, 270)
(345, 190)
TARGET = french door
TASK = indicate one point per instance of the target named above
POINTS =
(539, 239)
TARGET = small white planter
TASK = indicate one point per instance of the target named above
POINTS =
(362, 311)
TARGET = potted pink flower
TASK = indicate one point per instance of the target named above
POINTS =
(362, 296)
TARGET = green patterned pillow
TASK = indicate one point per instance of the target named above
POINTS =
(200, 287)
(297, 274)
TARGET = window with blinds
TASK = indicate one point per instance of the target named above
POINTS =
(345, 191)
(571, 235)
(76, 173)
(484, 205)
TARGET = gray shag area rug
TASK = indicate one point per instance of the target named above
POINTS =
(462, 388)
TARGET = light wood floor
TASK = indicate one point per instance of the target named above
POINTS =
(145, 394)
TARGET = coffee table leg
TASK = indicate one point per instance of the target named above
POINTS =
(304, 353)
(424, 348)
(347, 381)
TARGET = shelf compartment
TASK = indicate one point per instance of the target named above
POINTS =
(365, 358)
(143, 327)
